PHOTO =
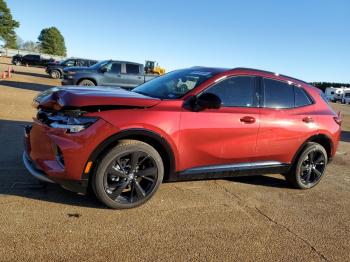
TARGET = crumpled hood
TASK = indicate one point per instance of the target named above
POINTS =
(58, 98)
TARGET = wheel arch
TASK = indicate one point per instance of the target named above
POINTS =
(87, 78)
(321, 139)
(147, 136)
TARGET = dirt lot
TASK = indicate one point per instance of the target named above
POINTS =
(244, 219)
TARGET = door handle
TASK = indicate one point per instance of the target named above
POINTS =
(308, 119)
(247, 120)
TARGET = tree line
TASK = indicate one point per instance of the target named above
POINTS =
(50, 40)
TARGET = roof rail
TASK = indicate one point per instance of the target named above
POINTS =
(269, 72)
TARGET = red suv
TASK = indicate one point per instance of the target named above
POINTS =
(188, 124)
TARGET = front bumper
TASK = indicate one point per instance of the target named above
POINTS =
(33, 170)
(41, 159)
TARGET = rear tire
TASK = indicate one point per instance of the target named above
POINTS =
(86, 82)
(55, 74)
(128, 175)
(309, 168)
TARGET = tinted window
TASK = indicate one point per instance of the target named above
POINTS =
(301, 98)
(132, 69)
(69, 63)
(80, 63)
(278, 94)
(114, 68)
(34, 57)
(235, 91)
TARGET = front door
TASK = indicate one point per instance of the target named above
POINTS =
(112, 76)
(222, 136)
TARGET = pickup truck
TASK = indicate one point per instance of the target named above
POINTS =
(35, 60)
(107, 73)
(55, 70)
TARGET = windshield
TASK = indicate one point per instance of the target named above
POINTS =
(177, 83)
(99, 64)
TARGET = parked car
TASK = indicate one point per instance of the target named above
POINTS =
(194, 123)
(33, 60)
(55, 70)
(107, 73)
(346, 97)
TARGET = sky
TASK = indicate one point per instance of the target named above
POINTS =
(306, 39)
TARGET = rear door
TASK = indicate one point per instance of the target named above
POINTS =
(112, 76)
(132, 75)
(285, 120)
(222, 136)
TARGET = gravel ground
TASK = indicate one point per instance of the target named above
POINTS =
(243, 219)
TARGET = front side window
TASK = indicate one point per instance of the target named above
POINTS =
(115, 68)
(235, 91)
(69, 63)
(132, 69)
(278, 94)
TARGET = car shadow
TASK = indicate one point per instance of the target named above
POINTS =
(345, 136)
(26, 85)
(261, 180)
(31, 74)
(15, 179)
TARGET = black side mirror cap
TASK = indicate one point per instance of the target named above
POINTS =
(204, 101)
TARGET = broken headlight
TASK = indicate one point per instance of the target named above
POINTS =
(72, 124)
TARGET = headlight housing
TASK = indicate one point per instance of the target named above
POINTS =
(72, 124)
(71, 74)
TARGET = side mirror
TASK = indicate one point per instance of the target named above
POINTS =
(204, 101)
(103, 70)
(209, 101)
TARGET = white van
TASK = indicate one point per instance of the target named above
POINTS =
(346, 97)
(330, 93)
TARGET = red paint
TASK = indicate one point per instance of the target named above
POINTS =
(209, 137)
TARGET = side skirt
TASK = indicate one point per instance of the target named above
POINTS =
(231, 170)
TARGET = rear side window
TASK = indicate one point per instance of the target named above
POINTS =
(278, 94)
(235, 91)
(132, 69)
(301, 98)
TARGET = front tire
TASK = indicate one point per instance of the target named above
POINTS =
(310, 167)
(128, 175)
(55, 74)
(86, 82)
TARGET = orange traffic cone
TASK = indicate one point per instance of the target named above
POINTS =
(3, 75)
(9, 71)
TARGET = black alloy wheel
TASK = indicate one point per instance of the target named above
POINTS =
(128, 175)
(312, 167)
(309, 168)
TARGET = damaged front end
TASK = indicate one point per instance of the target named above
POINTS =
(73, 121)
